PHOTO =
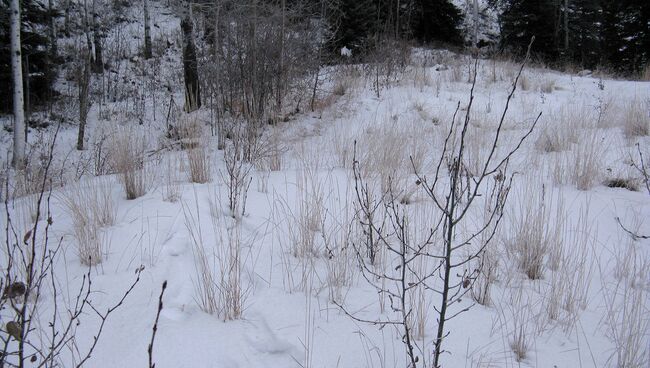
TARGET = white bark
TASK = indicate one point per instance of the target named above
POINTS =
(19, 103)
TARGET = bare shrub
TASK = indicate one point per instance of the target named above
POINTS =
(453, 198)
(236, 175)
(642, 166)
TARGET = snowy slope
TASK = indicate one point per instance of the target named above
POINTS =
(574, 315)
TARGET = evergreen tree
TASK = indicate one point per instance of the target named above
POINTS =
(437, 20)
(39, 68)
(626, 34)
(523, 19)
(584, 32)
(354, 23)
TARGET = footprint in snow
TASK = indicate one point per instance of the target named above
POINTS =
(174, 314)
(264, 340)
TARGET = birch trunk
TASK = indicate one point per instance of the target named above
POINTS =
(16, 67)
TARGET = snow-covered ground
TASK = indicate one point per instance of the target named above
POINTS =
(297, 238)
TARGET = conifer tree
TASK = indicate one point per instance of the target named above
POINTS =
(523, 19)
(437, 20)
(626, 34)
(584, 31)
(39, 68)
(355, 24)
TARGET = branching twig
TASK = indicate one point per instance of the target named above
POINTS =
(155, 326)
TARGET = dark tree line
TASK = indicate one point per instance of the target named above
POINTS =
(358, 23)
(588, 33)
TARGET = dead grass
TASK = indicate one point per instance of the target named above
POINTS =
(128, 156)
(90, 205)
(636, 122)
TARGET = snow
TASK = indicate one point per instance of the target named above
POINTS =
(289, 319)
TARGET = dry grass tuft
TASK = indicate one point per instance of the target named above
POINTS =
(199, 163)
(636, 122)
(90, 205)
(128, 155)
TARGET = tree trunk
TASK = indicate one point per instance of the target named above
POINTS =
(147, 31)
(66, 18)
(16, 66)
(190, 67)
(52, 32)
(281, 73)
(566, 26)
(98, 65)
(84, 84)
(476, 22)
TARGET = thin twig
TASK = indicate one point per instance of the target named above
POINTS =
(155, 326)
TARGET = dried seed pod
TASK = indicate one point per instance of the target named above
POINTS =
(14, 290)
(28, 235)
(14, 329)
